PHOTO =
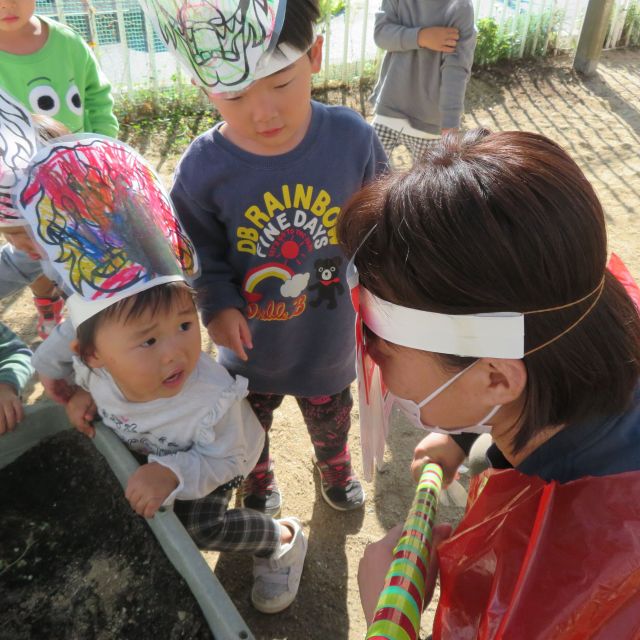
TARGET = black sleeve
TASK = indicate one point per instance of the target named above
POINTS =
(465, 441)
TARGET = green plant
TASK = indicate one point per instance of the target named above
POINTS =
(330, 8)
(172, 117)
(170, 102)
(631, 28)
(492, 44)
(528, 36)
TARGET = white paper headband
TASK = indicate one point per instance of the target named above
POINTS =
(270, 63)
(498, 335)
(486, 335)
(81, 309)
(481, 335)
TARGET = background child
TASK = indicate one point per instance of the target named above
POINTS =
(50, 70)
(260, 194)
(429, 48)
(20, 135)
(15, 372)
(141, 363)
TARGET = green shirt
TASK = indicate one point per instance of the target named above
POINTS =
(62, 80)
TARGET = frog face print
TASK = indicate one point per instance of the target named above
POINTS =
(64, 103)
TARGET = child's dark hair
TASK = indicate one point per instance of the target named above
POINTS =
(299, 19)
(48, 128)
(155, 300)
(506, 222)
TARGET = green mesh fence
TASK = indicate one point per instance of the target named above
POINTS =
(128, 49)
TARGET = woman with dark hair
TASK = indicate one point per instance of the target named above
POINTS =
(487, 306)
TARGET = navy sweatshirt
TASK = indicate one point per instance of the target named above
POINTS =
(265, 231)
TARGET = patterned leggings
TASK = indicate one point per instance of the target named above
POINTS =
(328, 420)
(215, 527)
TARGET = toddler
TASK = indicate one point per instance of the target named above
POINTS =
(138, 362)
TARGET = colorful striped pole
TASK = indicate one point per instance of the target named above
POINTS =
(401, 602)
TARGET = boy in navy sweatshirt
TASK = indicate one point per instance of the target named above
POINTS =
(260, 194)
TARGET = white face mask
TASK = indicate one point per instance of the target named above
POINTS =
(412, 409)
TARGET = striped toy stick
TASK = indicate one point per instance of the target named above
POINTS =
(401, 602)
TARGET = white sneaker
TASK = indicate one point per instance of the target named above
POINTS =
(276, 579)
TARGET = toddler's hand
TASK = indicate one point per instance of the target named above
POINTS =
(81, 410)
(59, 391)
(11, 411)
(443, 450)
(444, 39)
(149, 487)
(229, 328)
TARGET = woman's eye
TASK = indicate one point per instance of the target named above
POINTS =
(149, 343)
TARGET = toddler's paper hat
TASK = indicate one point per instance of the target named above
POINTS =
(105, 222)
(225, 45)
(17, 146)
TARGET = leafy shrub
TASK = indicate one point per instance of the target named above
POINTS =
(526, 36)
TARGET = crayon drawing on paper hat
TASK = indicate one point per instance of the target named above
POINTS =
(17, 146)
(104, 220)
(225, 45)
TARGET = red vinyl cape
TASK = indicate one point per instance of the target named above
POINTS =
(535, 560)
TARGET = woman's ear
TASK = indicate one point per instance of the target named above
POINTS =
(506, 380)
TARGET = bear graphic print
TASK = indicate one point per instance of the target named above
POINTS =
(284, 233)
(328, 284)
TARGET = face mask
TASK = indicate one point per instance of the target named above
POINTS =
(411, 410)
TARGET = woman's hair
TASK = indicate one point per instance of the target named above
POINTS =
(506, 222)
(298, 26)
(158, 299)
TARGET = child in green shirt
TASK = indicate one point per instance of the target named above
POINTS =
(50, 70)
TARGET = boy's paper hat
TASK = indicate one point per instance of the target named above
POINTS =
(225, 45)
(17, 146)
(104, 220)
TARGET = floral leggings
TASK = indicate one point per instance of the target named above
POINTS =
(328, 420)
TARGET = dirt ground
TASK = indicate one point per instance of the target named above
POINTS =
(69, 547)
(598, 121)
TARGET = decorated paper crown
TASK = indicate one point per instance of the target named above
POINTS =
(17, 146)
(225, 45)
(105, 221)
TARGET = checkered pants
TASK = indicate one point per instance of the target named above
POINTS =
(390, 139)
(215, 527)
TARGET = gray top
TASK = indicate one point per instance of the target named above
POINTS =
(425, 87)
